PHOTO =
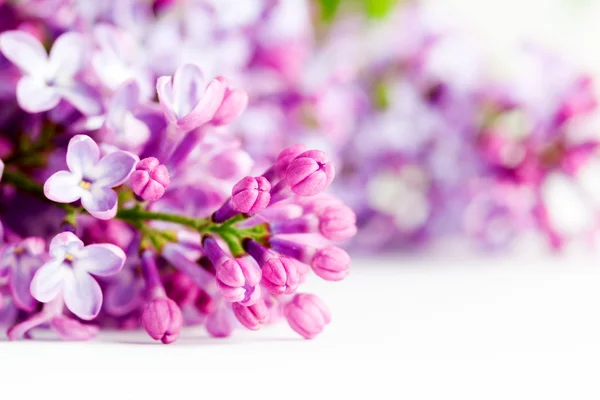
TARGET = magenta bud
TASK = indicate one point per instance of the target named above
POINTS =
(234, 103)
(307, 315)
(337, 223)
(150, 179)
(252, 317)
(286, 156)
(251, 195)
(310, 173)
(238, 280)
(280, 275)
(162, 319)
(331, 263)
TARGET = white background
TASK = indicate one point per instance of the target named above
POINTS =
(413, 328)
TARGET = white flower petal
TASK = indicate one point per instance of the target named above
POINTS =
(25, 51)
(82, 154)
(66, 57)
(34, 95)
(48, 281)
(100, 202)
(82, 294)
(63, 187)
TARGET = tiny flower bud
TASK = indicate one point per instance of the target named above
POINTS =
(279, 273)
(310, 173)
(337, 223)
(253, 316)
(307, 315)
(251, 195)
(331, 263)
(162, 319)
(286, 156)
(150, 179)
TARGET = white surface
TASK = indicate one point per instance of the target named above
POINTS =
(410, 329)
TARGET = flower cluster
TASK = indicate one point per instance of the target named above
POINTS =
(129, 197)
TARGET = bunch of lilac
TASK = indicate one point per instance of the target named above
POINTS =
(129, 206)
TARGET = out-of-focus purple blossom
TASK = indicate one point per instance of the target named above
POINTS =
(49, 78)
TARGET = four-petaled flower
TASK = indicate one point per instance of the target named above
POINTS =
(91, 178)
(49, 78)
(19, 262)
(70, 271)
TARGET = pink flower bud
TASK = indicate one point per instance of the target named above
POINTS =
(279, 273)
(286, 156)
(331, 263)
(150, 179)
(251, 195)
(253, 316)
(310, 173)
(307, 315)
(337, 223)
(162, 319)
(234, 103)
(238, 279)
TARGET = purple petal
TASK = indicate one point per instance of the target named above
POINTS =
(126, 99)
(125, 295)
(20, 282)
(35, 246)
(25, 51)
(48, 281)
(71, 329)
(82, 154)
(101, 259)
(63, 187)
(34, 95)
(114, 169)
(100, 202)
(82, 294)
(63, 241)
(164, 88)
(1, 169)
(206, 108)
(82, 97)
(66, 56)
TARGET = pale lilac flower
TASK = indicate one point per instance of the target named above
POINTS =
(186, 100)
(118, 59)
(49, 78)
(90, 178)
(69, 273)
(19, 262)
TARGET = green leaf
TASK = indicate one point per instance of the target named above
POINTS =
(378, 8)
(329, 9)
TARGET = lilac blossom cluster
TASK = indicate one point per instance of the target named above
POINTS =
(128, 198)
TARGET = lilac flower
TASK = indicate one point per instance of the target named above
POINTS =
(90, 178)
(69, 274)
(19, 261)
(186, 100)
(49, 78)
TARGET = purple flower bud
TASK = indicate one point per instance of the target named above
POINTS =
(162, 319)
(150, 179)
(310, 173)
(237, 278)
(337, 223)
(279, 273)
(331, 263)
(307, 315)
(234, 103)
(253, 316)
(251, 195)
